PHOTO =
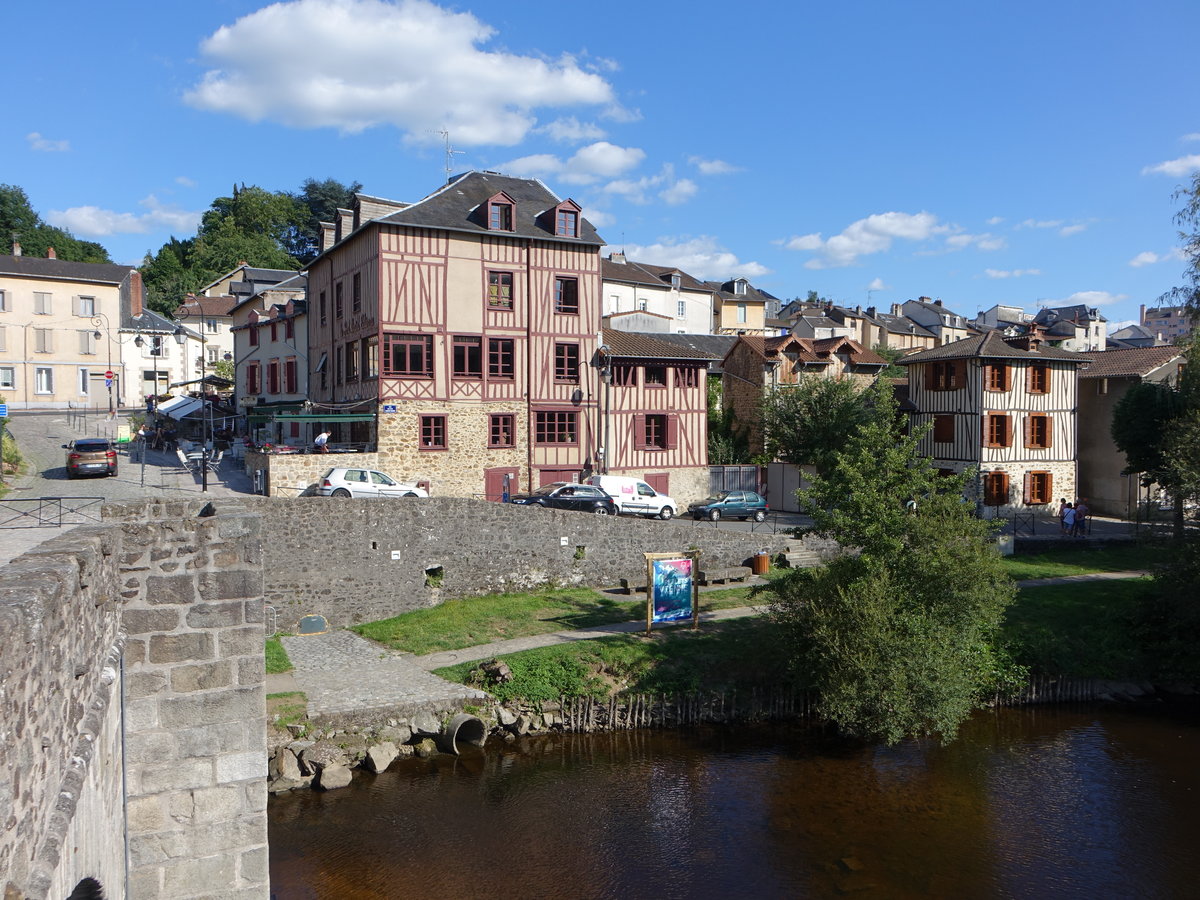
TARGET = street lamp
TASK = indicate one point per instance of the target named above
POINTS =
(97, 320)
(181, 336)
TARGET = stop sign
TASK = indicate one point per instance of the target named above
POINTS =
(108, 374)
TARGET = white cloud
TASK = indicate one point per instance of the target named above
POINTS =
(411, 64)
(1194, 136)
(571, 131)
(1149, 258)
(185, 181)
(878, 285)
(588, 165)
(664, 185)
(679, 192)
(1039, 223)
(1010, 273)
(1069, 230)
(995, 220)
(712, 166)
(1184, 165)
(701, 256)
(45, 145)
(92, 221)
(985, 241)
(1089, 298)
(874, 234)
(599, 218)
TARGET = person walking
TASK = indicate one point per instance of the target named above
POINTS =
(1081, 517)
(1069, 519)
(1062, 508)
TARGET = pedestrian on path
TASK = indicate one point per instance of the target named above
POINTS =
(1062, 509)
(1069, 519)
(321, 442)
(1081, 517)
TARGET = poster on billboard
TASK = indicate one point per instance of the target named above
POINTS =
(673, 588)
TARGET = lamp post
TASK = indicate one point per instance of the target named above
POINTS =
(181, 336)
(97, 320)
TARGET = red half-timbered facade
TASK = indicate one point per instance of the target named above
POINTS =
(468, 322)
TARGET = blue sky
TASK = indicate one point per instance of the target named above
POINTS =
(1022, 153)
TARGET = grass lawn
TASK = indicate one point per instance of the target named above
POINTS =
(1083, 629)
(1082, 561)
(277, 658)
(498, 617)
(742, 652)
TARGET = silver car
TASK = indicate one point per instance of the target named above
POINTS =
(346, 482)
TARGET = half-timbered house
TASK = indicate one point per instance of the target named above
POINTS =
(653, 413)
(1004, 407)
(461, 330)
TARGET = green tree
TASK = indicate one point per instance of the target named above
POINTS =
(322, 200)
(806, 423)
(899, 638)
(18, 221)
(891, 354)
(728, 443)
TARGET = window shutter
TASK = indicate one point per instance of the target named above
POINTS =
(3, 331)
(672, 432)
(83, 342)
(987, 376)
(76, 306)
(958, 370)
(1028, 432)
(1008, 436)
(1028, 486)
(1004, 487)
(1049, 439)
(928, 377)
(639, 432)
(1006, 376)
(1049, 488)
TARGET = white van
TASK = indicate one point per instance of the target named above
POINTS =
(634, 497)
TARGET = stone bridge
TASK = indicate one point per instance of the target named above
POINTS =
(132, 703)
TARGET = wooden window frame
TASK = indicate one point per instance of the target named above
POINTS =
(432, 432)
(351, 361)
(943, 428)
(556, 428)
(500, 289)
(1038, 379)
(502, 430)
(654, 376)
(467, 357)
(1039, 431)
(657, 431)
(356, 292)
(566, 223)
(1039, 488)
(997, 377)
(566, 363)
(946, 375)
(253, 379)
(997, 430)
(400, 358)
(624, 375)
(291, 382)
(566, 295)
(501, 215)
(995, 488)
(687, 377)
(337, 300)
(502, 364)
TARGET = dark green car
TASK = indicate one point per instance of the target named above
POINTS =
(731, 505)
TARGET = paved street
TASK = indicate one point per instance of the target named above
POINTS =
(41, 435)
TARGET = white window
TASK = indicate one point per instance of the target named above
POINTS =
(43, 380)
(41, 303)
(214, 355)
(642, 305)
(675, 281)
(87, 343)
(741, 313)
(43, 340)
(157, 346)
(85, 381)
(85, 306)
(8, 377)
(739, 287)
(3, 301)
(3, 338)
(211, 326)
(680, 309)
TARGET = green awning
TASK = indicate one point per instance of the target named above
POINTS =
(309, 417)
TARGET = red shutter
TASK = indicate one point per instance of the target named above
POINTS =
(1007, 370)
(1008, 436)
(672, 432)
(960, 373)
(1028, 432)
(1004, 486)
(987, 376)
(1049, 441)
(1028, 486)
(639, 432)
(1049, 488)
(928, 378)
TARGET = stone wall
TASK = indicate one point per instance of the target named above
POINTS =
(360, 560)
(60, 753)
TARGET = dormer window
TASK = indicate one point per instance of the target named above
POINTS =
(675, 281)
(739, 287)
(566, 224)
(500, 213)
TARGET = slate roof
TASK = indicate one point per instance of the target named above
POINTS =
(715, 345)
(252, 278)
(725, 290)
(989, 345)
(649, 274)
(633, 344)
(206, 306)
(1161, 312)
(936, 308)
(461, 206)
(899, 325)
(1136, 361)
(1078, 313)
(149, 321)
(64, 270)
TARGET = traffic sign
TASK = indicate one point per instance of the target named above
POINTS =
(109, 375)
(3, 410)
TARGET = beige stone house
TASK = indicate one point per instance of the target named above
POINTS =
(1102, 384)
(1004, 407)
(740, 308)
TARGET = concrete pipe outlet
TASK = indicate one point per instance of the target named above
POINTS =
(462, 730)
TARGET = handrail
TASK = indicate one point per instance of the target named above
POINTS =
(53, 512)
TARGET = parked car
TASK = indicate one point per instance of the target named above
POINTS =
(564, 495)
(91, 456)
(731, 505)
(635, 497)
(343, 482)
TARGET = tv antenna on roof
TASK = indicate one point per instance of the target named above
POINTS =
(450, 151)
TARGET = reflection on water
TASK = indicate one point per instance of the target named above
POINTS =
(1027, 803)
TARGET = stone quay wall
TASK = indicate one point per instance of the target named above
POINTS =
(359, 560)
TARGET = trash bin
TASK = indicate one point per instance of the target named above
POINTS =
(760, 563)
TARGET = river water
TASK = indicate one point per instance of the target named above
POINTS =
(1034, 802)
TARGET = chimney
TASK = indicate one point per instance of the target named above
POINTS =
(16, 248)
(924, 300)
(50, 254)
(1141, 315)
(326, 236)
(617, 257)
(937, 302)
(871, 312)
(136, 290)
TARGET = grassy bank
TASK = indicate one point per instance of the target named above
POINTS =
(1134, 557)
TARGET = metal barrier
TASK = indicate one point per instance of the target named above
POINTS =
(52, 512)
(271, 620)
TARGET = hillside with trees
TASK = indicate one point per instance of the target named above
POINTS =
(19, 222)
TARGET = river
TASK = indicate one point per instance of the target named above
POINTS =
(1034, 802)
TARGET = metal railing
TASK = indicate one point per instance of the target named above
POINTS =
(52, 512)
